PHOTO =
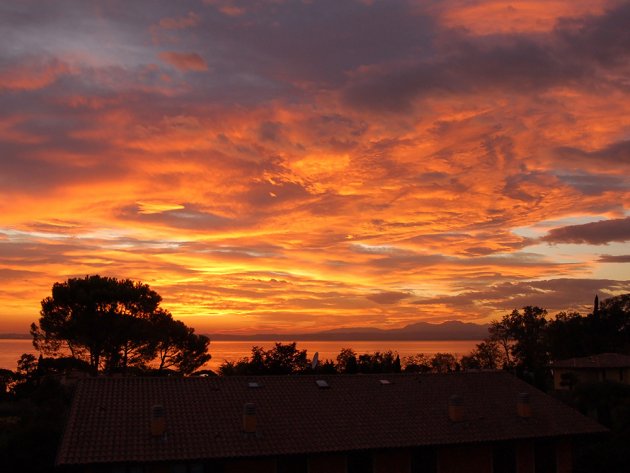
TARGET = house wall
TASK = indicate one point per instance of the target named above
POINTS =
(591, 375)
(471, 459)
(392, 461)
(564, 457)
(259, 465)
(327, 463)
(525, 459)
(540, 456)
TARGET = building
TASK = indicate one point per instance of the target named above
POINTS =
(396, 423)
(591, 369)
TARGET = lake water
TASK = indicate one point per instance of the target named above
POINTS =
(10, 350)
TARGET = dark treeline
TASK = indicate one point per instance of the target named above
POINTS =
(524, 341)
(288, 359)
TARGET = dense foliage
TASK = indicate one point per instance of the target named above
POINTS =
(114, 325)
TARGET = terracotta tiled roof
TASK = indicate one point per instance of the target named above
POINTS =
(109, 419)
(603, 360)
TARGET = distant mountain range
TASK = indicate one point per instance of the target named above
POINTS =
(451, 330)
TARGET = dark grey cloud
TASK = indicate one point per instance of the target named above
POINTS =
(594, 233)
(603, 38)
(483, 263)
(594, 184)
(190, 217)
(552, 294)
(616, 154)
(519, 64)
(32, 253)
(29, 170)
(614, 259)
(525, 186)
(55, 226)
(388, 297)
(321, 41)
(7, 274)
(263, 194)
(579, 51)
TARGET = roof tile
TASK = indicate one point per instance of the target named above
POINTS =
(110, 417)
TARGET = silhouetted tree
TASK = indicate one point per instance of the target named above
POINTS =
(26, 366)
(281, 359)
(486, 355)
(176, 345)
(396, 368)
(525, 332)
(444, 363)
(113, 324)
(569, 335)
(7, 379)
(418, 363)
(499, 333)
(612, 325)
(327, 367)
(377, 362)
(60, 365)
(606, 329)
(596, 306)
(286, 359)
(347, 361)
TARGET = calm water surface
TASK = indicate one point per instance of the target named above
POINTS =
(10, 350)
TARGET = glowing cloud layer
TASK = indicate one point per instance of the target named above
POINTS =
(293, 166)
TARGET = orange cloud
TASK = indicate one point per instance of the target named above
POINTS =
(504, 16)
(177, 23)
(32, 74)
(184, 61)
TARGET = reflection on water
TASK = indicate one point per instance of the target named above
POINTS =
(10, 350)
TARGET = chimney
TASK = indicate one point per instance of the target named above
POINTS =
(158, 421)
(249, 418)
(523, 406)
(456, 408)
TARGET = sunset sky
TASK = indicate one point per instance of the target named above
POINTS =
(292, 166)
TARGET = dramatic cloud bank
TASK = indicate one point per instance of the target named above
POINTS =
(285, 165)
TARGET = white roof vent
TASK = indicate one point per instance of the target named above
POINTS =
(254, 385)
(322, 384)
(385, 381)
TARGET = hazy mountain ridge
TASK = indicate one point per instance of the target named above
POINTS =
(451, 330)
